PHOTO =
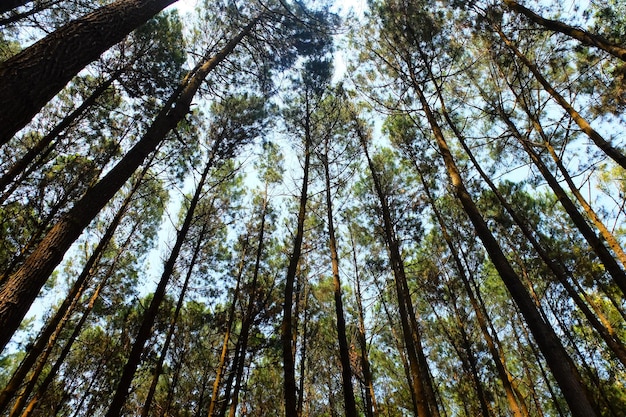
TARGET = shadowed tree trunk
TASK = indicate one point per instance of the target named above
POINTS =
(20, 290)
(35, 75)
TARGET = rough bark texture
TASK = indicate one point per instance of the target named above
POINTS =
(20, 289)
(583, 36)
(31, 78)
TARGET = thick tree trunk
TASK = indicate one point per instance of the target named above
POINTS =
(583, 36)
(47, 337)
(20, 290)
(563, 369)
(34, 76)
(20, 165)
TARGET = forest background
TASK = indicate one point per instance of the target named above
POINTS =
(201, 216)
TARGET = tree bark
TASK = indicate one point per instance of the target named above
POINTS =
(34, 76)
(583, 36)
(43, 144)
(344, 350)
(611, 151)
(287, 333)
(20, 290)
(563, 369)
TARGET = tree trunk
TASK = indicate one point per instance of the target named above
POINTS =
(612, 152)
(43, 144)
(583, 36)
(20, 290)
(426, 407)
(564, 371)
(286, 333)
(119, 398)
(35, 75)
(47, 338)
(158, 369)
(344, 350)
(221, 366)
(371, 409)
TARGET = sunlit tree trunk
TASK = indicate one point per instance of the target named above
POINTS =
(564, 370)
(585, 37)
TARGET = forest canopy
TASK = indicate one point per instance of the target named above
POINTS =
(300, 208)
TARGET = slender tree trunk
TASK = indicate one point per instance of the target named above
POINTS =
(20, 290)
(44, 143)
(583, 36)
(516, 404)
(35, 75)
(158, 369)
(371, 409)
(565, 372)
(221, 366)
(287, 333)
(121, 393)
(344, 350)
(419, 374)
(49, 334)
(611, 151)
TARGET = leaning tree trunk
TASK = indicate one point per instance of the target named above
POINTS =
(134, 358)
(44, 144)
(572, 386)
(583, 36)
(20, 290)
(35, 75)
